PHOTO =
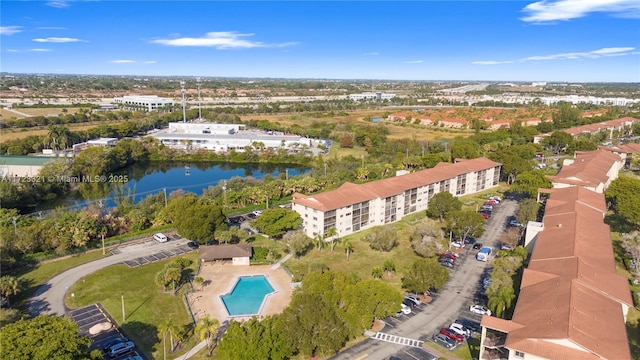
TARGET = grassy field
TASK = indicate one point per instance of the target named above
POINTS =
(12, 134)
(396, 131)
(146, 307)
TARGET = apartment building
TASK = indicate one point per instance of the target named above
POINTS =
(572, 303)
(354, 207)
(593, 170)
(609, 126)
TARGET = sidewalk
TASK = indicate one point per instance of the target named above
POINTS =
(193, 351)
(277, 265)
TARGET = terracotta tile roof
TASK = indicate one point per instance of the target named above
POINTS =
(588, 169)
(629, 148)
(574, 131)
(571, 291)
(350, 193)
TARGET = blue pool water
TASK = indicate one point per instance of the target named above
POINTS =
(247, 295)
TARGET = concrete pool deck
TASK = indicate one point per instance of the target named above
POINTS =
(220, 280)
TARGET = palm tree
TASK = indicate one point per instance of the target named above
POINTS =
(207, 330)
(332, 236)
(348, 247)
(501, 300)
(319, 241)
(168, 328)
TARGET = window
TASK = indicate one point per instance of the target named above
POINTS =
(496, 175)
(519, 354)
(410, 199)
(360, 215)
(390, 209)
(461, 184)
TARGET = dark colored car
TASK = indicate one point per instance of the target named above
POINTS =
(477, 246)
(447, 260)
(469, 324)
(409, 303)
(192, 244)
(446, 264)
(451, 335)
(443, 340)
(469, 240)
(109, 343)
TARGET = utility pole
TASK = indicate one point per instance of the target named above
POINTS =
(286, 174)
(15, 227)
(165, 197)
(184, 104)
(123, 316)
(199, 100)
(103, 250)
(325, 169)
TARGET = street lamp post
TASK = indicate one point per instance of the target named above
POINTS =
(15, 227)
(123, 313)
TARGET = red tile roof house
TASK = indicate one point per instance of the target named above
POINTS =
(354, 207)
(610, 125)
(572, 303)
(593, 170)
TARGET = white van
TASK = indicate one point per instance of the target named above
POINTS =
(160, 237)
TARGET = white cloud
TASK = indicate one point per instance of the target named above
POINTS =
(57, 40)
(612, 50)
(51, 28)
(549, 10)
(150, 62)
(60, 4)
(491, 62)
(595, 54)
(220, 40)
(13, 50)
(40, 50)
(371, 54)
(413, 62)
(10, 30)
(123, 61)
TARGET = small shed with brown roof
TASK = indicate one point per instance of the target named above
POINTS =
(239, 254)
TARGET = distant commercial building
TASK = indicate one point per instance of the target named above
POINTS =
(355, 207)
(227, 137)
(147, 102)
(371, 96)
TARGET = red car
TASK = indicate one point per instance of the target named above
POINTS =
(491, 202)
(449, 255)
(486, 216)
(451, 335)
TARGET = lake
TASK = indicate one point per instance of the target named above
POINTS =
(142, 180)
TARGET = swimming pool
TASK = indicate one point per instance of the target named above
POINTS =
(247, 295)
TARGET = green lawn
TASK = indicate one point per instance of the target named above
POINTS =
(146, 307)
(33, 277)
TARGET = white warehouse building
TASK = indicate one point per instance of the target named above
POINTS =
(149, 102)
(226, 137)
(378, 96)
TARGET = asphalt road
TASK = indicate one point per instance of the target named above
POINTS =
(452, 302)
(49, 297)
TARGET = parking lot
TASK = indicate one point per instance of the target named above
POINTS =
(160, 255)
(93, 316)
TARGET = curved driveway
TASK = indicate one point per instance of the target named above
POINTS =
(49, 297)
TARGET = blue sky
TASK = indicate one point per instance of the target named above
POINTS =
(549, 40)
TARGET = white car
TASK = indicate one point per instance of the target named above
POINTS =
(460, 329)
(405, 309)
(257, 212)
(456, 244)
(479, 309)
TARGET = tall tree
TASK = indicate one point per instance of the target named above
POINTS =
(558, 141)
(528, 211)
(443, 203)
(529, 182)
(298, 242)
(277, 221)
(465, 224)
(624, 197)
(9, 286)
(43, 338)
(383, 238)
(423, 275)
